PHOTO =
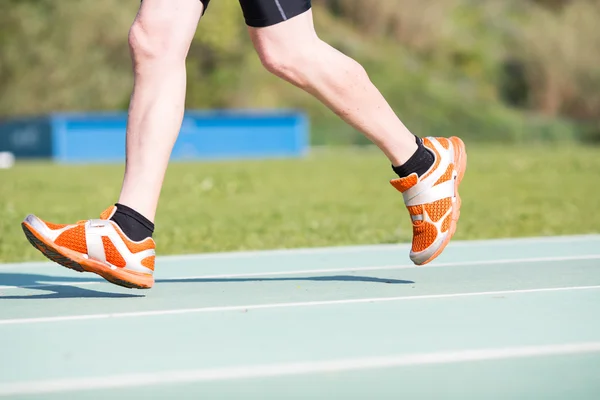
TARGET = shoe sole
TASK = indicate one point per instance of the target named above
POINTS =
(460, 160)
(77, 262)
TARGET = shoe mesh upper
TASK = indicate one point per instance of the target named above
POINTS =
(136, 247)
(424, 234)
(112, 254)
(148, 262)
(54, 226)
(73, 239)
(438, 209)
(447, 175)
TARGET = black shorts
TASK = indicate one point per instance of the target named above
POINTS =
(261, 13)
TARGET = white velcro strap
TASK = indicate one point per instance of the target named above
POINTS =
(414, 191)
(438, 192)
(423, 186)
(94, 230)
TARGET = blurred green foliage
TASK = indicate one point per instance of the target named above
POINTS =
(509, 71)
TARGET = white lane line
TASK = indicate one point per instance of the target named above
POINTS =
(381, 247)
(57, 283)
(327, 271)
(245, 308)
(292, 369)
(348, 249)
(393, 267)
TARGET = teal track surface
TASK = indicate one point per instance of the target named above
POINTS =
(515, 318)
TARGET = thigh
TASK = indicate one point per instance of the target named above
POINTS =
(261, 13)
(165, 27)
(177, 18)
(203, 2)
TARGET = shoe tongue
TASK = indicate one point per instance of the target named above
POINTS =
(106, 214)
(403, 184)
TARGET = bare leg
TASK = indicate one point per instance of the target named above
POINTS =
(293, 51)
(159, 40)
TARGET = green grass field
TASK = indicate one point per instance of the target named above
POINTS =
(332, 197)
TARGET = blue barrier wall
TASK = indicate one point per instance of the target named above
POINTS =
(100, 137)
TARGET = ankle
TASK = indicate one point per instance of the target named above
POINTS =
(132, 223)
(419, 162)
(402, 153)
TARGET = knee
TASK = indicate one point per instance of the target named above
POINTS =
(152, 41)
(292, 65)
(305, 66)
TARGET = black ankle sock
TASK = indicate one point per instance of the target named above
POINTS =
(134, 225)
(418, 163)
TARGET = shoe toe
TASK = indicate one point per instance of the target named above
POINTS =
(424, 256)
(38, 225)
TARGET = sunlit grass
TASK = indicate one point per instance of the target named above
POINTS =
(333, 197)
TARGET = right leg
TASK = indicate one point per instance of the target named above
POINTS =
(116, 246)
(159, 40)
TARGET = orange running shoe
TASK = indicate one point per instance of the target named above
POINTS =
(96, 245)
(432, 199)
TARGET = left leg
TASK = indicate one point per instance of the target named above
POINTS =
(430, 170)
(293, 51)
